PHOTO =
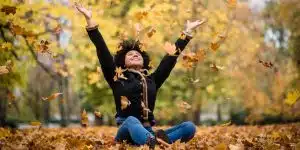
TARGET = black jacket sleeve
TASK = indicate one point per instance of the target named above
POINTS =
(168, 62)
(105, 58)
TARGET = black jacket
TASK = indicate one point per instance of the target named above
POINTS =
(132, 87)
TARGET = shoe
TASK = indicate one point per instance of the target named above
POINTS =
(161, 134)
(151, 142)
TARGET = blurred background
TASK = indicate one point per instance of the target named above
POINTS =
(246, 70)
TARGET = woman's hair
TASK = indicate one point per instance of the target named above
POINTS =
(126, 46)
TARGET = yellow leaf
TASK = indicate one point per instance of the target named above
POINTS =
(292, 97)
(124, 102)
(170, 48)
(52, 97)
(84, 119)
(35, 123)
(6, 46)
(221, 146)
(226, 124)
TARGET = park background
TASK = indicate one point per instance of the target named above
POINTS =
(241, 67)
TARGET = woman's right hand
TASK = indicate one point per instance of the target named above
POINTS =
(86, 12)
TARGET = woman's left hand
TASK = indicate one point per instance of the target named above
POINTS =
(190, 26)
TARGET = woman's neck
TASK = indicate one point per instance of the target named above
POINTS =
(136, 68)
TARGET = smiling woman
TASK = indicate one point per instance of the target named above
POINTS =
(134, 89)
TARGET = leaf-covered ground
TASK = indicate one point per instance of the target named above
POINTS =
(269, 137)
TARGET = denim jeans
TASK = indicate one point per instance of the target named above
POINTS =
(134, 132)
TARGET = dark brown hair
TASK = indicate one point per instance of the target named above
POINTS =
(126, 46)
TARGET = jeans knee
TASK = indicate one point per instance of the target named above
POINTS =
(189, 128)
(131, 120)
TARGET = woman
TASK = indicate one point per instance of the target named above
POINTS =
(134, 89)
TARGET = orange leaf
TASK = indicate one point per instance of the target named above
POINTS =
(214, 46)
(52, 97)
(124, 102)
(170, 48)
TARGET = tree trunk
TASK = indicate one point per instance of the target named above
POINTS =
(3, 104)
(219, 115)
(61, 107)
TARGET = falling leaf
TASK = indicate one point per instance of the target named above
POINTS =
(84, 119)
(292, 97)
(43, 47)
(6, 46)
(124, 102)
(183, 106)
(3, 70)
(214, 46)
(16, 30)
(226, 124)
(170, 48)
(57, 29)
(232, 3)
(119, 74)
(35, 123)
(97, 114)
(266, 64)
(140, 15)
(151, 32)
(8, 9)
(52, 97)
(221, 146)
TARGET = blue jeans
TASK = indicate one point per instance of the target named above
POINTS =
(134, 132)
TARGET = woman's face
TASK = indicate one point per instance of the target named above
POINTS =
(134, 59)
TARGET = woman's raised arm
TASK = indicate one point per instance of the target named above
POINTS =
(105, 58)
(168, 62)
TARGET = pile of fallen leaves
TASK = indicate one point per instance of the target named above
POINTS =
(224, 137)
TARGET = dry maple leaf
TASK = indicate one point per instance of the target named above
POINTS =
(292, 97)
(3, 70)
(214, 46)
(57, 29)
(51, 97)
(119, 74)
(97, 114)
(151, 32)
(124, 102)
(16, 30)
(43, 47)
(215, 67)
(6, 46)
(84, 119)
(8, 9)
(170, 48)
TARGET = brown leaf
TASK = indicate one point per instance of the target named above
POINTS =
(84, 119)
(8, 9)
(97, 114)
